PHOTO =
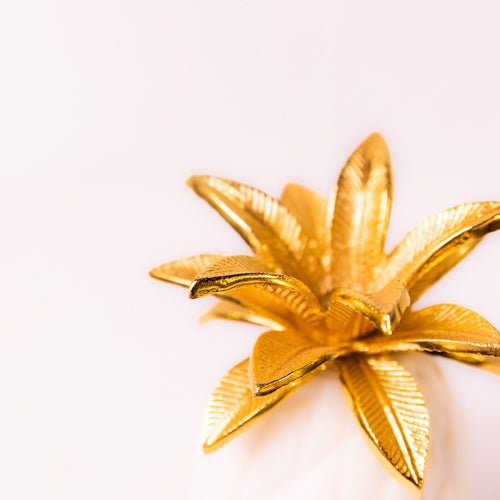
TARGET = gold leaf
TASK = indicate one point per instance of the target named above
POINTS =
(265, 224)
(391, 410)
(360, 216)
(383, 309)
(289, 295)
(232, 407)
(236, 312)
(344, 322)
(181, 272)
(280, 357)
(442, 328)
(309, 208)
(441, 241)
(242, 270)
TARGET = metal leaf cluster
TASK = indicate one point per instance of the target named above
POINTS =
(321, 282)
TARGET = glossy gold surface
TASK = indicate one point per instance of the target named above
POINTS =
(321, 282)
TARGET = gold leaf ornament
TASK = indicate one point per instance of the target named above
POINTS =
(321, 282)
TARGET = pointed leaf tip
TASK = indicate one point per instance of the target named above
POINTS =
(375, 137)
(192, 180)
(232, 407)
(182, 272)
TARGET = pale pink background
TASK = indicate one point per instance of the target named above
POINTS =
(105, 108)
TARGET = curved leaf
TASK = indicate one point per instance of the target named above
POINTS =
(360, 216)
(265, 224)
(441, 241)
(281, 357)
(442, 328)
(242, 270)
(290, 299)
(382, 309)
(391, 410)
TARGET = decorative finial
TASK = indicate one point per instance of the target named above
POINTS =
(321, 282)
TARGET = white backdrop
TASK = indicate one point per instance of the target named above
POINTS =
(106, 107)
